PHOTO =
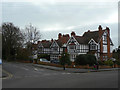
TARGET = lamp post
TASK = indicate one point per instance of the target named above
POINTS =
(114, 61)
(64, 63)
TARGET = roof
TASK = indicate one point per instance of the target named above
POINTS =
(45, 43)
(84, 39)
(87, 36)
(62, 40)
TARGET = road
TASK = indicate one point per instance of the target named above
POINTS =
(25, 75)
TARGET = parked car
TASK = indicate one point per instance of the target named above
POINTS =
(44, 60)
(56, 61)
(0, 61)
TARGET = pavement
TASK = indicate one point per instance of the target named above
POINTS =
(74, 70)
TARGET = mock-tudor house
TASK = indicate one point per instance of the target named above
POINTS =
(97, 42)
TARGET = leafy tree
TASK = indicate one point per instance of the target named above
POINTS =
(12, 40)
(65, 59)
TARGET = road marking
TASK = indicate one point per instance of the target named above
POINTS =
(66, 73)
(35, 69)
(9, 75)
(24, 68)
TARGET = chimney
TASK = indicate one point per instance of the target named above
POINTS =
(43, 40)
(59, 35)
(88, 30)
(52, 40)
(38, 42)
(67, 35)
(73, 33)
(108, 30)
(100, 28)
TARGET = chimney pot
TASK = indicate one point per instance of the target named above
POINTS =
(100, 27)
(59, 35)
(73, 33)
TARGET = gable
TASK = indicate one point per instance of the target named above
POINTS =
(72, 40)
(54, 44)
(104, 37)
(92, 42)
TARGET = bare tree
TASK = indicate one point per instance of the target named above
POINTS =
(31, 36)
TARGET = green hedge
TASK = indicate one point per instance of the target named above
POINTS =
(84, 59)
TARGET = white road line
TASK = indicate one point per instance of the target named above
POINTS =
(9, 75)
(35, 69)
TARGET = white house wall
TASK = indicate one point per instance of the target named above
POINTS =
(111, 48)
(104, 48)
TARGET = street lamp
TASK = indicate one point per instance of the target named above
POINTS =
(113, 59)
(64, 62)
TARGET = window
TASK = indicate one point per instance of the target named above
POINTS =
(92, 47)
(55, 49)
(105, 38)
(40, 48)
(72, 46)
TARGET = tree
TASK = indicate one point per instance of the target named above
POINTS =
(116, 54)
(84, 59)
(12, 40)
(65, 59)
(31, 36)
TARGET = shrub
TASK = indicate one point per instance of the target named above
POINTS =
(84, 59)
(91, 59)
(117, 62)
(109, 62)
(100, 62)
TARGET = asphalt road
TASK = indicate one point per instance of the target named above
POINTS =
(24, 75)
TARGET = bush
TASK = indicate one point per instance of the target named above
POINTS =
(91, 59)
(100, 62)
(109, 62)
(117, 62)
(85, 59)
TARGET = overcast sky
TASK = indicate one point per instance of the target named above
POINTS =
(53, 16)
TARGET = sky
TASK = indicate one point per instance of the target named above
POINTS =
(63, 16)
